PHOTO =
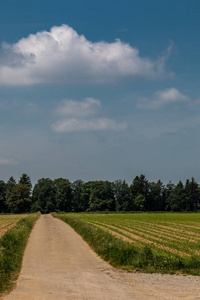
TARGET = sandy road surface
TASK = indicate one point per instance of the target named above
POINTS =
(58, 264)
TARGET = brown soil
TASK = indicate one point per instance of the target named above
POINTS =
(59, 265)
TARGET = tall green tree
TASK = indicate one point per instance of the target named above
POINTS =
(19, 200)
(85, 195)
(10, 194)
(63, 194)
(101, 196)
(25, 179)
(122, 195)
(2, 196)
(140, 187)
(176, 198)
(44, 196)
(192, 193)
(179, 198)
(10, 183)
(156, 196)
(167, 194)
(78, 204)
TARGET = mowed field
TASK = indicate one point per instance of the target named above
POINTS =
(163, 241)
(176, 233)
(8, 221)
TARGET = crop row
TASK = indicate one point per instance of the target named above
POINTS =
(144, 242)
(8, 221)
(175, 237)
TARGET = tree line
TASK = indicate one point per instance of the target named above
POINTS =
(60, 194)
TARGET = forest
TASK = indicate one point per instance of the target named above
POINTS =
(61, 195)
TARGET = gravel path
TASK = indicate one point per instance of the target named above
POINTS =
(59, 265)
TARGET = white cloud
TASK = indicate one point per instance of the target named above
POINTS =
(80, 117)
(7, 161)
(161, 98)
(62, 55)
(72, 125)
(83, 108)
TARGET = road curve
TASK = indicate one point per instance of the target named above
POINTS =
(59, 265)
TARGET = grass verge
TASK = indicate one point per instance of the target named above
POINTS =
(12, 245)
(124, 255)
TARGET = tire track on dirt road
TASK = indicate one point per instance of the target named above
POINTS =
(59, 265)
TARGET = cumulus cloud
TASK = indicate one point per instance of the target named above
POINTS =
(71, 125)
(161, 99)
(83, 108)
(79, 116)
(62, 55)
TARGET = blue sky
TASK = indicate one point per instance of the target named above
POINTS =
(100, 89)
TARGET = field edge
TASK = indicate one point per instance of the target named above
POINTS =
(127, 256)
(12, 246)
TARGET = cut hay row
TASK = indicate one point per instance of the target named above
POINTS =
(182, 247)
(172, 232)
(185, 245)
(184, 228)
(181, 229)
(168, 233)
(136, 239)
(116, 233)
(6, 224)
(173, 228)
(158, 244)
(11, 217)
(192, 243)
(8, 221)
(194, 227)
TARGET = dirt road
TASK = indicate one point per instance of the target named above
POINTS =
(59, 265)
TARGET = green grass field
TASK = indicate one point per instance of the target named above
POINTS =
(14, 231)
(155, 242)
